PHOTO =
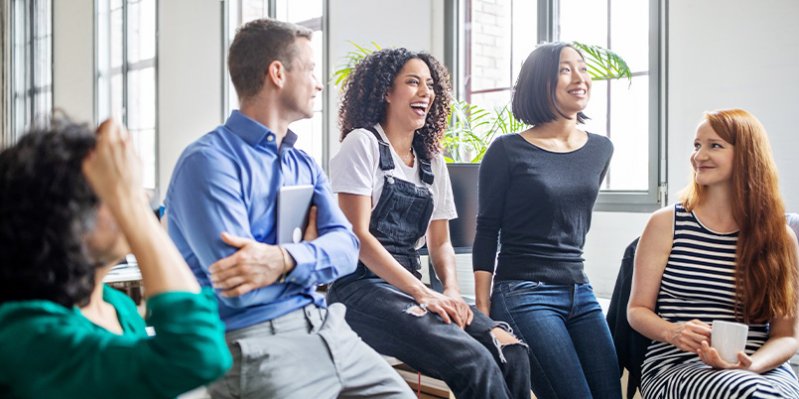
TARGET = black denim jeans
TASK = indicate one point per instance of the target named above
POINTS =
(470, 360)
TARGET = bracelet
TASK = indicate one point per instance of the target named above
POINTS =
(283, 275)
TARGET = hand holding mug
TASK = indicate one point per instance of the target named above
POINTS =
(689, 336)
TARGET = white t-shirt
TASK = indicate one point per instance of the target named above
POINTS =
(356, 170)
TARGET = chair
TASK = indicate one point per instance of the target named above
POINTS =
(631, 346)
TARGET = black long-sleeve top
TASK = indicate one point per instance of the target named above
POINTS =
(539, 204)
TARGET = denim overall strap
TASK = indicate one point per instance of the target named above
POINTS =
(387, 162)
(425, 169)
(402, 214)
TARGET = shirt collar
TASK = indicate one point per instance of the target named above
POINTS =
(252, 132)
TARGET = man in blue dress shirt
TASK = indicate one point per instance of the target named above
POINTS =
(221, 205)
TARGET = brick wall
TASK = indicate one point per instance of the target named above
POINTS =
(491, 43)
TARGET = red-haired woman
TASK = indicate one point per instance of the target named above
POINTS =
(723, 253)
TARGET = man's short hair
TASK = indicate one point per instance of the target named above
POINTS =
(257, 44)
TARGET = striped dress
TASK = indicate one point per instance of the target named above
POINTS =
(699, 283)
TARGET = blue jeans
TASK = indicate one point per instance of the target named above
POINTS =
(571, 350)
(469, 360)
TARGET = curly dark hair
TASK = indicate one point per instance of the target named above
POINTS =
(46, 209)
(364, 100)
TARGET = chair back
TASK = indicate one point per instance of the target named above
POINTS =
(631, 346)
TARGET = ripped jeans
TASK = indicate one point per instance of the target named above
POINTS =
(470, 361)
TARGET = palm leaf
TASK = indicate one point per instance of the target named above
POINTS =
(352, 58)
(603, 64)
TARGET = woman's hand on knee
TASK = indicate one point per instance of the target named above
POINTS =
(689, 336)
(463, 309)
(445, 307)
(710, 356)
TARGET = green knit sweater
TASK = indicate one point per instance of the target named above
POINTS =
(49, 351)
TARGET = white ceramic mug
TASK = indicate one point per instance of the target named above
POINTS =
(729, 338)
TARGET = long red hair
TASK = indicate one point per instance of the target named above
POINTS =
(766, 276)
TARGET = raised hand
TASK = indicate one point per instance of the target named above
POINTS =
(112, 168)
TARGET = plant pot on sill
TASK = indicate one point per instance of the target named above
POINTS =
(464, 189)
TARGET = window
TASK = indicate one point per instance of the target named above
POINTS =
(307, 13)
(126, 74)
(30, 40)
(498, 36)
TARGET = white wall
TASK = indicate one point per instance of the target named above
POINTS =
(722, 54)
(735, 54)
(73, 58)
(189, 77)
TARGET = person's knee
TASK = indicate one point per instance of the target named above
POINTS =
(504, 337)
(416, 310)
(509, 348)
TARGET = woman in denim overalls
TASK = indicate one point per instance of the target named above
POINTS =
(392, 180)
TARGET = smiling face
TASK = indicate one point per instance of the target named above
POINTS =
(573, 89)
(411, 95)
(712, 158)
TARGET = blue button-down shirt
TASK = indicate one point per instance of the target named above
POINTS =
(227, 181)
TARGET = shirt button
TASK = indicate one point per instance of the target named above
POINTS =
(270, 138)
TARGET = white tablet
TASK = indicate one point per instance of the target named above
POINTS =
(293, 204)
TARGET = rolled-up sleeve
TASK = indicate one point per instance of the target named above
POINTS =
(68, 358)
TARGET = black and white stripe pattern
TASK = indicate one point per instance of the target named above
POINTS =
(699, 283)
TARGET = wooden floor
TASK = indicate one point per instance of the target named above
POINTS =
(432, 388)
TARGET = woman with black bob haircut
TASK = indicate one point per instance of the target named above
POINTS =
(538, 188)
(393, 186)
(72, 206)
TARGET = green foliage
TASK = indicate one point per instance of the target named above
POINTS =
(473, 128)
(352, 58)
(465, 138)
(602, 63)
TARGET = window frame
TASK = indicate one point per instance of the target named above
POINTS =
(124, 70)
(655, 195)
(30, 93)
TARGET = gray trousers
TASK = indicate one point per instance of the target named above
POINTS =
(309, 353)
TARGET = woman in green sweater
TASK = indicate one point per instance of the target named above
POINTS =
(71, 205)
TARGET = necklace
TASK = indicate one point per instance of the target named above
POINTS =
(407, 158)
